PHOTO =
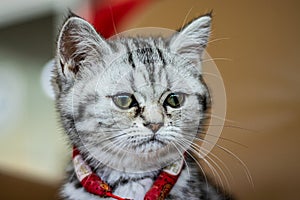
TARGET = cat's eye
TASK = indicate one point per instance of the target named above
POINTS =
(124, 100)
(175, 100)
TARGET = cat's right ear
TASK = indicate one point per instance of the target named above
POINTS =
(78, 44)
(192, 39)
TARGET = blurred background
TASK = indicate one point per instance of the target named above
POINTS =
(256, 47)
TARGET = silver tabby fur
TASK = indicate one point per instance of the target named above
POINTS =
(90, 70)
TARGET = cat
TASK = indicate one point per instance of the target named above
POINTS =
(132, 107)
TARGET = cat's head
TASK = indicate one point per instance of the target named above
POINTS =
(131, 103)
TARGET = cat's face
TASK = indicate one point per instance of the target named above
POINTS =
(131, 103)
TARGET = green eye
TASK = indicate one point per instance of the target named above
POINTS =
(175, 100)
(124, 101)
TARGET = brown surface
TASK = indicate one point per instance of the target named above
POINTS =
(262, 84)
(18, 188)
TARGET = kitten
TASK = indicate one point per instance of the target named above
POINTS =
(132, 106)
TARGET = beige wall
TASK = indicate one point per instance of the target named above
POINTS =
(262, 84)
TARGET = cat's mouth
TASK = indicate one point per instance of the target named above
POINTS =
(154, 140)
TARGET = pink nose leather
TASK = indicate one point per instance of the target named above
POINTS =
(154, 126)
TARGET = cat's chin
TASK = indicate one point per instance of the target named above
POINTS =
(140, 162)
(151, 146)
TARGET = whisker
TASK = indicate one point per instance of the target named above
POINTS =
(213, 170)
(213, 75)
(113, 137)
(211, 166)
(188, 170)
(222, 138)
(113, 19)
(121, 150)
(219, 160)
(197, 162)
(247, 172)
(223, 119)
(115, 146)
(215, 59)
(218, 39)
(233, 126)
(196, 147)
(185, 18)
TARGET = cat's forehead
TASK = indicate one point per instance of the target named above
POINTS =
(146, 66)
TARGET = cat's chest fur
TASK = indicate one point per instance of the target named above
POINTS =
(129, 185)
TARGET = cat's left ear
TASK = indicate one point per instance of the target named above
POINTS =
(192, 39)
(78, 45)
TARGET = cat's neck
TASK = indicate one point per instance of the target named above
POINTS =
(113, 176)
(104, 180)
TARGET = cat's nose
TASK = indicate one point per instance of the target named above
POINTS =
(154, 126)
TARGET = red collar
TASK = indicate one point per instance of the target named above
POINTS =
(93, 183)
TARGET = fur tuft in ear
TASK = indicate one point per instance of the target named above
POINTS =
(78, 42)
(192, 39)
